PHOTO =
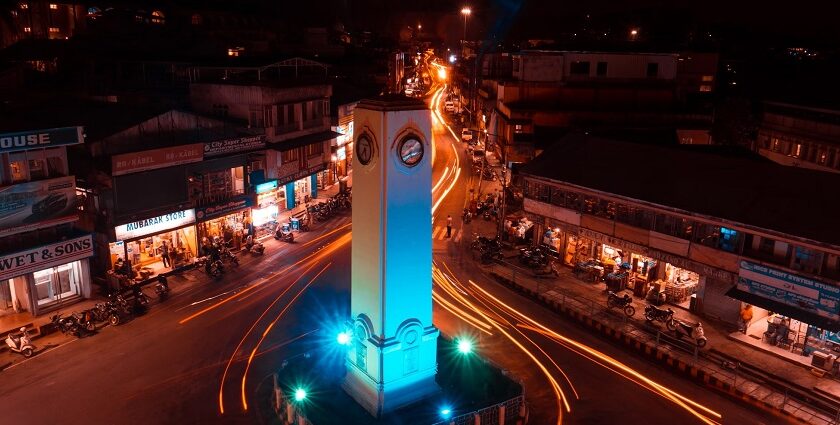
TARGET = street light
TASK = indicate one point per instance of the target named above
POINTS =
(300, 394)
(466, 11)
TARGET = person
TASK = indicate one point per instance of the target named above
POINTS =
(164, 254)
(746, 317)
(448, 226)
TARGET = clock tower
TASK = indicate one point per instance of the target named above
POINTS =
(392, 360)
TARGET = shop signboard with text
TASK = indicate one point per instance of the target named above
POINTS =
(39, 139)
(154, 225)
(42, 257)
(156, 158)
(239, 144)
(302, 173)
(25, 206)
(787, 288)
(224, 208)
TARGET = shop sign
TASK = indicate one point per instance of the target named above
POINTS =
(790, 289)
(302, 173)
(612, 241)
(38, 139)
(341, 153)
(157, 158)
(240, 144)
(266, 187)
(42, 257)
(154, 225)
(224, 208)
(25, 206)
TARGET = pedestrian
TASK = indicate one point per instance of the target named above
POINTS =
(448, 226)
(746, 317)
(164, 254)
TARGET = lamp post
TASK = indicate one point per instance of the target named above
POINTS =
(466, 11)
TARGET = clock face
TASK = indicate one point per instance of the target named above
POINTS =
(411, 151)
(364, 149)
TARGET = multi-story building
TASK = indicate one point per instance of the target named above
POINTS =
(800, 136)
(43, 19)
(44, 259)
(707, 229)
(566, 89)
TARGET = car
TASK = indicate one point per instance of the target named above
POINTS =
(449, 106)
(52, 204)
(466, 134)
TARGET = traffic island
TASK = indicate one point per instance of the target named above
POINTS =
(471, 389)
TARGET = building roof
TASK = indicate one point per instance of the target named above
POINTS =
(704, 180)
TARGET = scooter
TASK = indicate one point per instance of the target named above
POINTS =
(22, 344)
(694, 331)
(613, 300)
(284, 233)
(162, 287)
(253, 246)
(68, 325)
(666, 316)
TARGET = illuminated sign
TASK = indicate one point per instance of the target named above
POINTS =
(154, 225)
(156, 158)
(266, 187)
(40, 258)
(797, 291)
(10, 142)
(30, 205)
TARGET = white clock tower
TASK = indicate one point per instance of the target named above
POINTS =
(392, 361)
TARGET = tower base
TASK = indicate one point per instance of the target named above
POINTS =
(379, 399)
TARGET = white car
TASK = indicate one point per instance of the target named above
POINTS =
(466, 134)
(449, 106)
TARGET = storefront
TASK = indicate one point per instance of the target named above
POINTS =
(271, 199)
(301, 187)
(157, 244)
(230, 221)
(791, 315)
(46, 277)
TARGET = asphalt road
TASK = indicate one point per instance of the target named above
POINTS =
(185, 360)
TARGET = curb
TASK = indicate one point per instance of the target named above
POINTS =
(657, 354)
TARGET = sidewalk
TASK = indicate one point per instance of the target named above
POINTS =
(741, 371)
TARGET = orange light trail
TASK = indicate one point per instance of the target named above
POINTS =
(285, 269)
(665, 392)
(268, 329)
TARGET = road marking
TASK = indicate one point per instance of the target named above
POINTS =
(458, 235)
(434, 234)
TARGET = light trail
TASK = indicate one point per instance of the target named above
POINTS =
(675, 397)
(267, 278)
(456, 311)
(245, 336)
(268, 329)
(441, 179)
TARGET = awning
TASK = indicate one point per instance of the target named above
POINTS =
(304, 140)
(785, 310)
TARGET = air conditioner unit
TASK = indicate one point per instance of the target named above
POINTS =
(823, 361)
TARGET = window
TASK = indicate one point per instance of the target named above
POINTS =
(797, 151)
(652, 69)
(708, 78)
(220, 110)
(544, 194)
(766, 245)
(708, 234)
(517, 128)
(305, 110)
(643, 218)
(729, 240)
(684, 228)
(53, 29)
(776, 144)
(196, 19)
(573, 201)
(27, 29)
(53, 6)
(558, 197)
(601, 69)
(590, 204)
(288, 156)
(606, 209)
(579, 68)
(157, 17)
(705, 88)
(255, 118)
(24, 6)
(807, 260)
(664, 224)
(17, 168)
(314, 149)
(37, 169)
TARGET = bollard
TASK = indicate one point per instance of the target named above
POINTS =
(476, 419)
(278, 396)
(501, 414)
(290, 413)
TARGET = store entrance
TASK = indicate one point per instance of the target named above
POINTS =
(6, 300)
(58, 283)
(162, 252)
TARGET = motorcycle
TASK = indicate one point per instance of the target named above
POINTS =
(215, 268)
(694, 331)
(68, 325)
(613, 300)
(253, 246)
(228, 255)
(86, 320)
(534, 258)
(666, 316)
(466, 216)
(162, 287)
(21, 344)
(109, 311)
(284, 233)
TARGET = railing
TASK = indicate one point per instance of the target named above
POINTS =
(511, 411)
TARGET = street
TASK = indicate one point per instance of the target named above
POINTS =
(207, 354)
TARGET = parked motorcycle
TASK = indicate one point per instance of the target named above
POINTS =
(466, 216)
(666, 316)
(109, 311)
(86, 320)
(533, 257)
(216, 269)
(162, 287)
(284, 233)
(21, 344)
(227, 254)
(694, 331)
(68, 325)
(253, 246)
(625, 303)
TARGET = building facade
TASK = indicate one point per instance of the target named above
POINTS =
(800, 136)
(652, 231)
(44, 259)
